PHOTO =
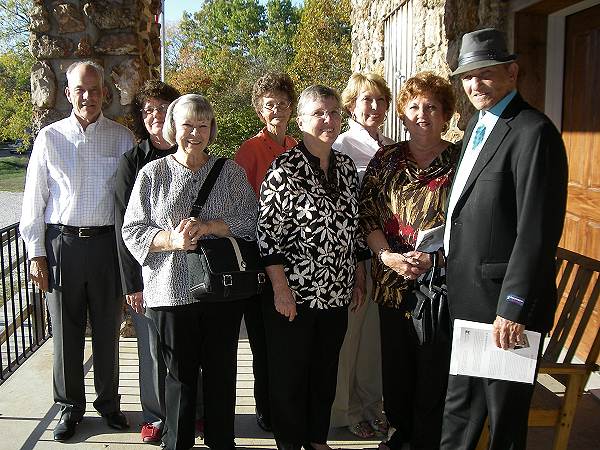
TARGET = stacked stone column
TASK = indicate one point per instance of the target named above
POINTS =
(121, 35)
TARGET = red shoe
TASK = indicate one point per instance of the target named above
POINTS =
(150, 433)
(200, 428)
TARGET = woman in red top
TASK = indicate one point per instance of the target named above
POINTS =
(273, 98)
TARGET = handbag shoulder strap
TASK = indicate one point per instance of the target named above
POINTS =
(207, 186)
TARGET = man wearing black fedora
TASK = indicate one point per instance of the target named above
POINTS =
(504, 220)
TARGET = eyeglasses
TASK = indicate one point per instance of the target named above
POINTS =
(279, 105)
(322, 113)
(152, 109)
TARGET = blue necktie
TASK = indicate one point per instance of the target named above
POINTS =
(479, 134)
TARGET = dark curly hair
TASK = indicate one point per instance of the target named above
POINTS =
(272, 82)
(150, 89)
(427, 83)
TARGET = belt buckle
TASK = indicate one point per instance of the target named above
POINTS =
(82, 232)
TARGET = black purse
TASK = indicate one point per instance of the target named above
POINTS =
(223, 269)
(430, 314)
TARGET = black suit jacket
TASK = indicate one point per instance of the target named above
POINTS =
(129, 166)
(507, 223)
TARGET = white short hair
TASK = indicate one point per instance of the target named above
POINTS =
(94, 65)
(194, 106)
(316, 92)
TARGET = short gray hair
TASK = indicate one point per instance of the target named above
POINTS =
(316, 92)
(94, 65)
(193, 106)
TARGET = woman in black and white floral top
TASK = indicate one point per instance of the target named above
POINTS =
(308, 235)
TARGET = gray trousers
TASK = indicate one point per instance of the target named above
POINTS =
(152, 372)
(84, 278)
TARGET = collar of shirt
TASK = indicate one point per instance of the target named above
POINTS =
(499, 107)
(490, 117)
(363, 135)
(329, 182)
(92, 127)
(271, 144)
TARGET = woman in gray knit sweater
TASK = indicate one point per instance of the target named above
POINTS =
(158, 230)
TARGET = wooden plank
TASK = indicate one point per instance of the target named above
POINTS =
(543, 417)
(16, 323)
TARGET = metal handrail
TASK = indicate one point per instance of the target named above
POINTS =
(24, 318)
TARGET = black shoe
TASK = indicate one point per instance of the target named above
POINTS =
(263, 423)
(65, 429)
(116, 420)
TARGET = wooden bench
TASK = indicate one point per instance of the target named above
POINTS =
(578, 282)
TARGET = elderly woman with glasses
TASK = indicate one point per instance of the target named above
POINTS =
(158, 230)
(273, 97)
(152, 101)
(309, 238)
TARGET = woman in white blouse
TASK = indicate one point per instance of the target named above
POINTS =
(358, 402)
(158, 230)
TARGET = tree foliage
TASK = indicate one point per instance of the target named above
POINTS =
(15, 97)
(224, 48)
(15, 69)
(219, 24)
(221, 50)
(322, 44)
(14, 23)
(276, 47)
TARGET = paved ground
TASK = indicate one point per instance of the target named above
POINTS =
(10, 207)
(10, 202)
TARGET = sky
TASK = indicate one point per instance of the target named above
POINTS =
(174, 8)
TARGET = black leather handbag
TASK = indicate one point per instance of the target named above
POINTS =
(430, 314)
(223, 269)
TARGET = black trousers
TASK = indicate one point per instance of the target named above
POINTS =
(255, 326)
(84, 278)
(414, 381)
(199, 335)
(303, 361)
(470, 400)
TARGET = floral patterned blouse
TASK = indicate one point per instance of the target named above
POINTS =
(308, 222)
(400, 198)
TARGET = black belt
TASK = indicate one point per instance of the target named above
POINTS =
(82, 232)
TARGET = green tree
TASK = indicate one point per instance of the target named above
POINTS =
(15, 97)
(14, 23)
(323, 44)
(232, 24)
(276, 46)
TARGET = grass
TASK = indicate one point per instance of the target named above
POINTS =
(12, 173)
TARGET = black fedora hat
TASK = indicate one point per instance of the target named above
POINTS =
(482, 48)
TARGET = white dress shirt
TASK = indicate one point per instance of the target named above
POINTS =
(487, 119)
(71, 177)
(358, 144)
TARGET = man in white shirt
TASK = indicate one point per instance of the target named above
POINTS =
(67, 223)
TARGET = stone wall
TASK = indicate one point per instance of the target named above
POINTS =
(121, 35)
(438, 26)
